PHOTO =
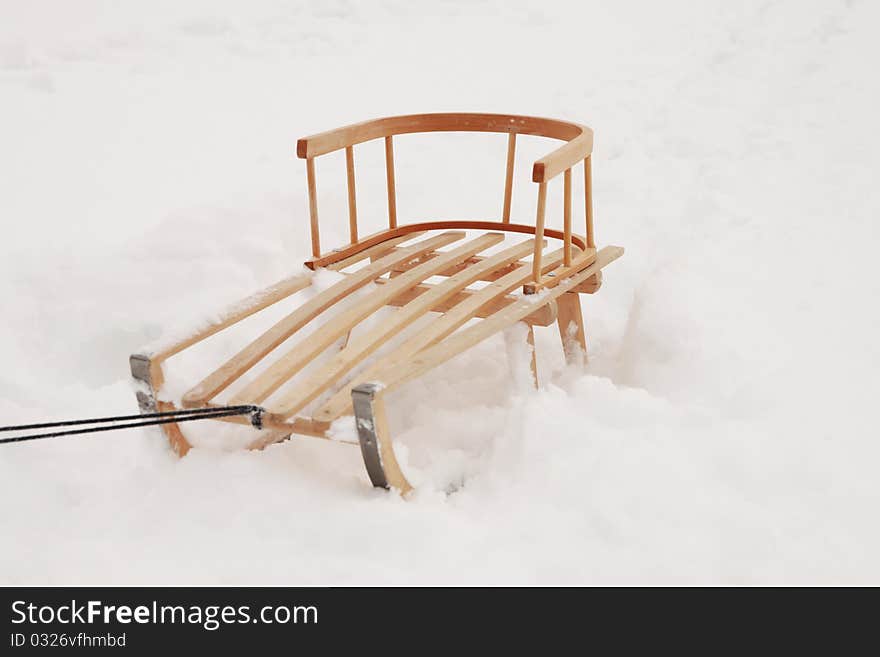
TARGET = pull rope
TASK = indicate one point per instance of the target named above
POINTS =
(142, 420)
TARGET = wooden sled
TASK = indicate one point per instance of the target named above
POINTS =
(551, 267)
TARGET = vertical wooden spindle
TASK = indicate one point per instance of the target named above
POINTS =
(389, 174)
(588, 200)
(508, 181)
(352, 202)
(539, 233)
(313, 206)
(567, 218)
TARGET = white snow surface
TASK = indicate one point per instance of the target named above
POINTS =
(725, 428)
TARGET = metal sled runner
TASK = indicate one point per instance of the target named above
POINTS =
(300, 394)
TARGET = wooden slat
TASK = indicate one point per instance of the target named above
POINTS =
(566, 217)
(544, 316)
(307, 350)
(374, 252)
(313, 207)
(236, 313)
(430, 358)
(487, 276)
(218, 380)
(588, 201)
(578, 262)
(389, 175)
(539, 231)
(277, 429)
(457, 316)
(361, 346)
(352, 200)
(263, 299)
(508, 179)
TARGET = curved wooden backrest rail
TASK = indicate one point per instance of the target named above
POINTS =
(578, 148)
(346, 253)
(579, 137)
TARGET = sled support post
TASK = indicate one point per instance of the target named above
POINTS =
(588, 201)
(533, 360)
(313, 206)
(566, 208)
(148, 374)
(508, 180)
(389, 175)
(374, 438)
(352, 201)
(539, 232)
(571, 328)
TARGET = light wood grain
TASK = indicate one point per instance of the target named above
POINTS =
(578, 261)
(539, 231)
(508, 178)
(380, 237)
(588, 201)
(313, 207)
(579, 138)
(232, 369)
(487, 276)
(283, 369)
(566, 217)
(362, 346)
(235, 314)
(543, 316)
(578, 146)
(352, 196)
(252, 305)
(436, 331)
(389, 179)
(395, 375)
(374, 252)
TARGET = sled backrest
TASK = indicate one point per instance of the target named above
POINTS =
(578, 147)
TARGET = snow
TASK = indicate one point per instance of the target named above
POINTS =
(724, 431)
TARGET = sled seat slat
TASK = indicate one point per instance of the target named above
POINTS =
(400, 372)
(302, 353)
(487, 276)
(360, 347)
(261, 300)
(459, 314)
(236, 366)
(543, 316)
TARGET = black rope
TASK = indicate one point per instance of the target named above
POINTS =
(143, 420)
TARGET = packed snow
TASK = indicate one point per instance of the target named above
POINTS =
(724, 429)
